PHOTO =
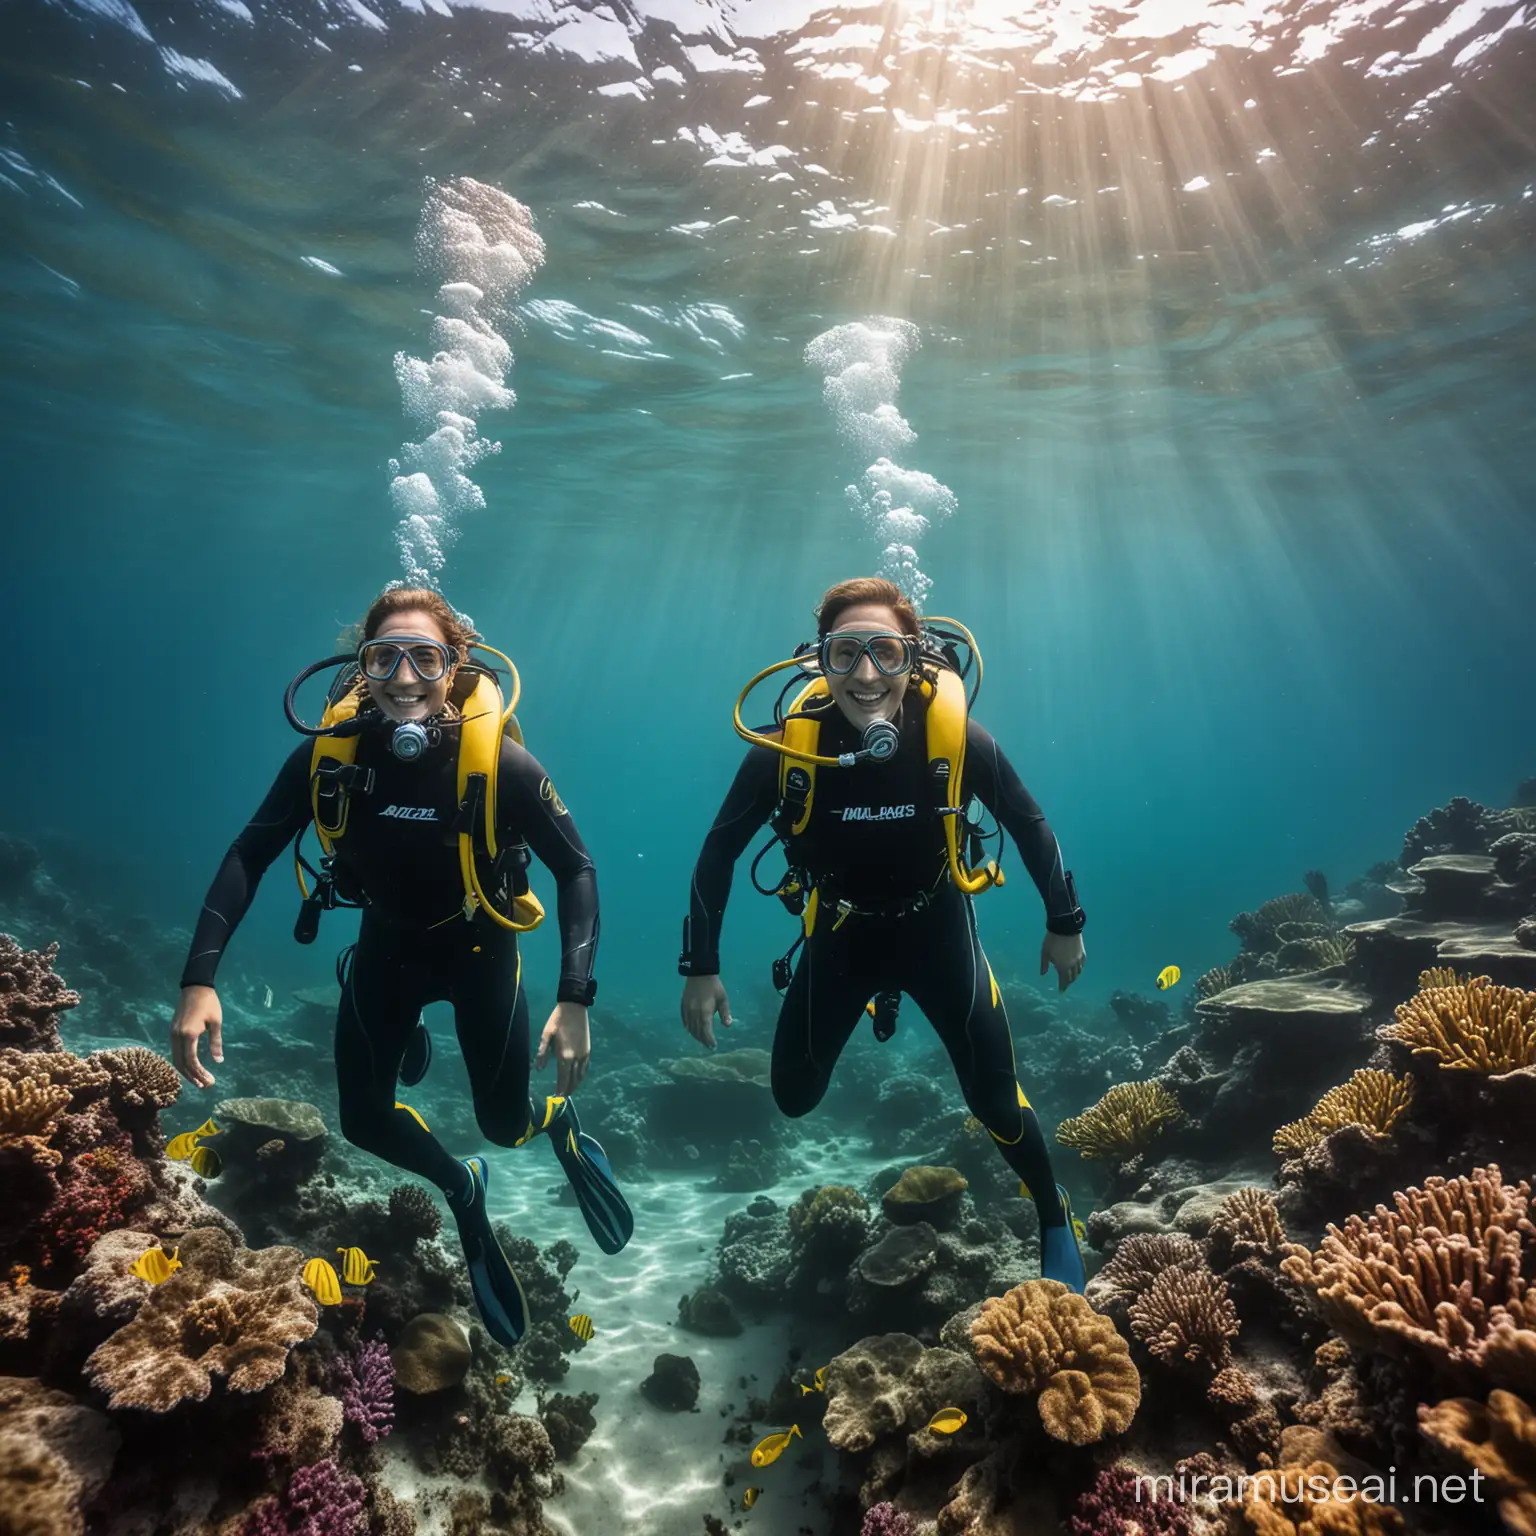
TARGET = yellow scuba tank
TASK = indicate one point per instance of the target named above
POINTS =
(484, 720)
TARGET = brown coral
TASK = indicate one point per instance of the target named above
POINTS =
(30, 996)
(1127, 1120)
(1247, 1225)
(1186, 1317)
(143, 1083)
(1301, 1501)
(1468, 1026)
(1043, 1337)
(1215, 980)
(1372, 1099)
(30, 1109)
(1499, 1441)
(1140, 1259)
(226, 1312)
(1439, 1275)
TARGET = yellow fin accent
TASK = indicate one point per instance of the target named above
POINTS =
(414, 1116)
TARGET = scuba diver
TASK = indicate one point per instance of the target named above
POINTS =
(867, 782)
(426, 804)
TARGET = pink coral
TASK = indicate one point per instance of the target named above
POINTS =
(30, 996)
(367, 1380)
(95, 1193)
(886, 1520)
(1115, 1506)
(321, 1500)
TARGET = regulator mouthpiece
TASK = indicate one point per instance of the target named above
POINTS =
(409, 740)
(881, 739)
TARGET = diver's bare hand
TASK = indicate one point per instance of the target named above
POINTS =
(1065, 951)
(703, 998)
(198, 1010)
(571, 1036)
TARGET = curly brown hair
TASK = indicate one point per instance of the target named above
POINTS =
(457, 631)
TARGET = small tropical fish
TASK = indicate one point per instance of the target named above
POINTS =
(1167, 977)
(321, 1279)
(581, 1326)
(1079, 1231)
(503, 1380)
(180, 1148)
(771, 1447)
(819, 1383)
(155, 1265)
(267, 1001)
(947, 1420)
(205, 1161)
(749, 1498)
(207, 1128)
(356, 1267)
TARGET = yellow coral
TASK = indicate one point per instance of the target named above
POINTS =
(30, 1106)
(1127, 1120)
(1469, 1026)
(1043, 1337)
(1437, 976)
(1440, 1274)
(1300, 1501)
(1499, 1441)
(1373, 1099)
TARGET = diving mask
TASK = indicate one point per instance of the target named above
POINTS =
(839, 653)
(379, 660)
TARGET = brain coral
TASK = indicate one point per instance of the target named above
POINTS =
(1042, 1337)
(1127, 1120)
(1439, 1275)
(1468, 1025)
(1372, 1099)
(226, 1312)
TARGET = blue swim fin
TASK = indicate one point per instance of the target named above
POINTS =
(603, 1206)
(498, 1293)
(1060, 1257)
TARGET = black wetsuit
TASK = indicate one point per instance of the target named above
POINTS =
(876, 841)
(414, 943)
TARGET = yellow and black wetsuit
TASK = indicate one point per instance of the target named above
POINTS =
(414, 947)
(875, 840)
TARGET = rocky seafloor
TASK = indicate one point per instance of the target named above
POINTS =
(1309, 1231)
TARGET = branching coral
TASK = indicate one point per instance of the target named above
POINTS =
(1120, 1504)
(1315, 952)
(320, 1500)
(1372, 1099)
(1127, 1120)
(143, 1083)
(367, 1381)
(1439, 1275)
(1469, 1026)
(1140, 1259)
(1246, 1226)
(1257, 930)
(1499, 1441)
(1186, 1317)
(1215, 980)
(226, 1312)
(30, 1109)
(1305, 1501)
(1042, 1337)
(412, 1213)
(95, 1193)
(31, 996)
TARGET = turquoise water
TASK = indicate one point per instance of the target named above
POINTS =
(1242, 472)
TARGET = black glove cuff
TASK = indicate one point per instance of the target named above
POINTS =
(580, 992)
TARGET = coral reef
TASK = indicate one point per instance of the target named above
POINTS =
(891, 1383)
(432, 1354)
(1468, 1026)
(367, 1381)
(926, 1194)
(1439, 1275)
(320, 1500)
(1372, 1099)
(1118, 1505)
(1247, 1226)
(1498, 1440)
(1299, 1498)
(569, 1422)
(413, 1214)
(1186, 1316)
(1041, 1337)
(1126, 1121)
(31, 997)
(673, 1383)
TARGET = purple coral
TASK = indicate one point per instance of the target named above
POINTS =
(886, 1520)
(321, 1500)
(367, 1381)
(1122, 1504)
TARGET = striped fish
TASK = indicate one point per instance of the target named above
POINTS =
(321, 1279)
(581, 1326)
(356, 1267)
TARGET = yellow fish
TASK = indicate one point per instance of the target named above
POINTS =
(503, 1380)
(180, 1148)
(205, 1161)
(321, 1279)
(356, 1267)
(207, 1128)
(155, 1265)
(819, 1385)
(749, 1498)
(581, 1326)
(1079, 1231)
(771, 1447)
(947, 1420)
(1167, 977)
